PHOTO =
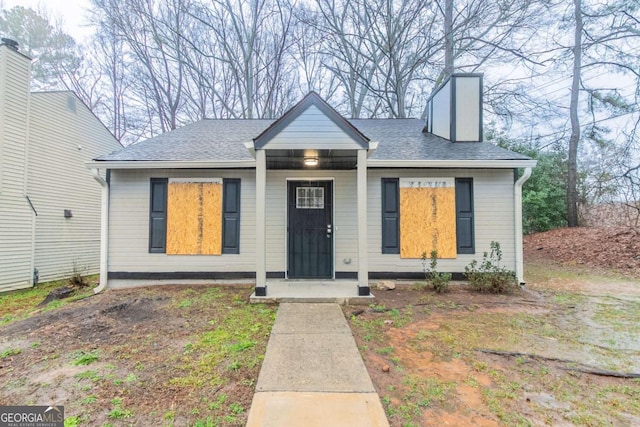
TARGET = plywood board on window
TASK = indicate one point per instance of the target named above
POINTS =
(427, 218)
(194, 218)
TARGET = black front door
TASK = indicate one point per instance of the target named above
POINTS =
(310, 230)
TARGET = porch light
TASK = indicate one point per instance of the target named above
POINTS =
(311, 161)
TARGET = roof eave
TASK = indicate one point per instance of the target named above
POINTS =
(170, 164)
(474, 164)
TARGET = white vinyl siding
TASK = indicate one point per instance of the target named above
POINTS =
(60, 143)
(129, 220)
(312, 130)
(441, 105)
(493, 217)
(467, 118)
(16, 217)
(129, 224)
(344, 216)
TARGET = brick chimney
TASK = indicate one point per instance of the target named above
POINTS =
(454, 110)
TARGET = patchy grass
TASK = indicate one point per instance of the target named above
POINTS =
(439, 376)
(170, 355)
(21, 303)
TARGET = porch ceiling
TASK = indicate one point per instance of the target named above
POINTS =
(327, 159)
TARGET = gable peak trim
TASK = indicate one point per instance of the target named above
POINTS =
(312, 98)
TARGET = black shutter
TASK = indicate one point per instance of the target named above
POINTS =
(390, 216)
(465, 239)
(231, 216)
(158, 215)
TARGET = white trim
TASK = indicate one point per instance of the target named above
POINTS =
(333, 219)
(261, 219)
(104, 231)
(170, 164)
(470, 164)
(230, 164)
(518, 224)
(427, 182)
(194, 180)
(362, 187)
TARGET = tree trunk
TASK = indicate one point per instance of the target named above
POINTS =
(574, 139)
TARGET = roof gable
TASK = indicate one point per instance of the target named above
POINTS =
(313, 124)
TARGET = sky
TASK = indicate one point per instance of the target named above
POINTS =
(72, 12)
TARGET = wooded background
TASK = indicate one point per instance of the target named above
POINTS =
(562, 79)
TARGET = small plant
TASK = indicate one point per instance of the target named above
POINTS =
(81, 358)
(78, 275)
(489, 276)
(118, 412)
(10, 352)
(439, 281)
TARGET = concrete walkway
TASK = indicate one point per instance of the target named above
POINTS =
(313, 375)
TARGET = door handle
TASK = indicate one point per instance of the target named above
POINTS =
(329, 230)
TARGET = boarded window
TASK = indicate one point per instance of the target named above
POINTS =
(428, 217)
(390, 216)
(464, 216)
(231, 217)
(158, 215)
(195, 216)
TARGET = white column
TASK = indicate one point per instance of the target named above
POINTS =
(261, 189)
(363, 262)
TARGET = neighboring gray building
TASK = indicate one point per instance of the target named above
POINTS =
(49, 201)
(312, 195)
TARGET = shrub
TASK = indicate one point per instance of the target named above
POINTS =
(439, 281)
(489, 276)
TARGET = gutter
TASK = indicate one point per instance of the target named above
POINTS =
(171, 164)
(467, 164)
(518, 225)
(104, 230)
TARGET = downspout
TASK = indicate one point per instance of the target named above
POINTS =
(104, 231)
(518, 212)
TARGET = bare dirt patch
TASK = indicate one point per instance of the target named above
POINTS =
(170, 355)
(579, 310)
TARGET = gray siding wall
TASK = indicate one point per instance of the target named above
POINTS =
(16, 217)
(129, 220)
(61, 141)
(129, 224)
(493, 217)
(312, 130)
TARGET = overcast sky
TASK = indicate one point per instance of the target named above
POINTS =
(72, 12)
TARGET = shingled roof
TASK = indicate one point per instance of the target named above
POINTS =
(223, 140)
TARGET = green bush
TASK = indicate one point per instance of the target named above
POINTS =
(489, 276)
(439, 281)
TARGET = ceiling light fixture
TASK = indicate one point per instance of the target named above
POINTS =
(311, 161)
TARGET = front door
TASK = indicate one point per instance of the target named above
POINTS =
(310, 230)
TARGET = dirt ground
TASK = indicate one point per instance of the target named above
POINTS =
(540, 356)
(190, 356)
(140, 357)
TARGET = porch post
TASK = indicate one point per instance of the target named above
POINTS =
(363, 263)
(261, 250)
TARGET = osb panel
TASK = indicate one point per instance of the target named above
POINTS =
(194, 219)
(211, 219)
(427, 222)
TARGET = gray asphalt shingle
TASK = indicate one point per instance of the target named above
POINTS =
(219, 140)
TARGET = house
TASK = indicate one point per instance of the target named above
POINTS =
(312, 195)
(49, 201)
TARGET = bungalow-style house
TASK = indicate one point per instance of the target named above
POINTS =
(49, 201)
(312, 195)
